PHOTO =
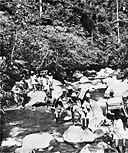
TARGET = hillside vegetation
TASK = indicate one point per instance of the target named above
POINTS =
(68, 35)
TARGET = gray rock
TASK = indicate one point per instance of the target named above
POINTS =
(75, 134)
(35, 141)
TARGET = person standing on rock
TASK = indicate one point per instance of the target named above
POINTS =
(39, 83)
(50, 83)
(47, 90)
(44, 81)
(84, 118)
(86, 102)
(74, 104)
(87, 110)
(33, 80)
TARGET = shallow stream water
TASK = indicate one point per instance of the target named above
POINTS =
(22, 122)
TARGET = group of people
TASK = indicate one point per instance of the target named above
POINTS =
(119, 116)
(78, 109)
(77, 106)
(20, 91)
(37, 82)
(118, 131)
(81, 110)
(42, 82)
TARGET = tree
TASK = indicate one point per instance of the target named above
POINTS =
(60, 39)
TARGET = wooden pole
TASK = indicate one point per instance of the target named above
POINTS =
(40, 3)
(14, 42)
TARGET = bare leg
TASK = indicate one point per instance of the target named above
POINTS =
(123, 147)
(117, 145)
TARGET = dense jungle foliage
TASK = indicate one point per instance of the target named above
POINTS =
(67, 35)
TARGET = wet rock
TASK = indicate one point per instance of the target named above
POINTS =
(56, 83)
(50, 148)
(95, 122)
(75, 134)
(98, 133)
(10, 142)
(37, 96)
(100, 86)
(18, 150)
(59, 138)
(15, 123)
(102, 74)
(16, 131)
(84, 79)
(57, 91)
(24, 150)
(39, 140)
(35, 141)
(118, 87)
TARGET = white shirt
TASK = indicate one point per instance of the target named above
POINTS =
(33, 79)
(119, 130)
(44, 81)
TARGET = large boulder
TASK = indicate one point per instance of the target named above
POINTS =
(117, 87)
(95, 122)
(84, 79)
(38, 140)
(98, 84)
(56, 83)
(57, 91)
(109, 71)
(35, 141)
(109, 81)
(83, 86)
(102, 74)
(10, 142)
(37, 96)
(75, 135)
